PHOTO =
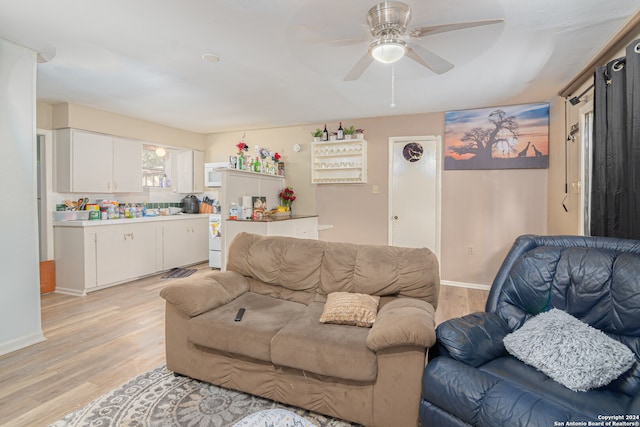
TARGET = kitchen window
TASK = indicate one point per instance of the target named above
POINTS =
(156, 167)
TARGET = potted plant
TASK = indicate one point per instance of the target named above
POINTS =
(360, 133)
(317, 134)
(348, 132)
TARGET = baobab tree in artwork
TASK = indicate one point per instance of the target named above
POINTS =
(483, 142)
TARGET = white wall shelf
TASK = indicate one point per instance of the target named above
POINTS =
(339, 162)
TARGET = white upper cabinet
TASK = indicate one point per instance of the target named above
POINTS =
(127, 166)
(190, 171)
(88, 162)
(198, 171)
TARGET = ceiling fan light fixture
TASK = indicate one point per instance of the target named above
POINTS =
(388, 51)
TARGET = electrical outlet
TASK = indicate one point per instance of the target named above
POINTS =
(375, 189)
(470, 250)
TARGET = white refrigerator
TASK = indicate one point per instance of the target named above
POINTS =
(215, 241)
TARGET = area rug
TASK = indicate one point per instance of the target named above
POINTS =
(178, 273)
(160, 398)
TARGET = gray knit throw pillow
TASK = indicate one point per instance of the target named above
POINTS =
(569, 351)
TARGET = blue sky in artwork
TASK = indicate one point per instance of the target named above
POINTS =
(533, 112)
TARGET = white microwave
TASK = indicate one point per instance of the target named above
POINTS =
(212, 175)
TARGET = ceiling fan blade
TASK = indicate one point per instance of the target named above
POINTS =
(359, 68)
(425, 57)
(435, 29)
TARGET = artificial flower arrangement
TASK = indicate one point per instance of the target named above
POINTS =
(276, 157)
(263, 152)
(242, 147)
(287, 196)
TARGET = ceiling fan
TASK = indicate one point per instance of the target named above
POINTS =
(388, 23)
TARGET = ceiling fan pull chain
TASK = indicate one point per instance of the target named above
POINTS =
(393, 85)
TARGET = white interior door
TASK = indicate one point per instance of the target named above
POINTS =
(414, 192)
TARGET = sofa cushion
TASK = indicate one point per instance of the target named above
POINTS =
(588, 404)
(380, 270)
(569, 351)
(337, 351)
(264, 316)
(345, 308)
(283, 261)
(505, 391)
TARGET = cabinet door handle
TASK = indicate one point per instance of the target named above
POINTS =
(115, 186)
(132, 236)
(108, 185)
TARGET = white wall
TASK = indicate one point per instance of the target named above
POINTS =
(20, 323)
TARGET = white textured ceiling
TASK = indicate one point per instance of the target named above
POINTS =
(142, 58)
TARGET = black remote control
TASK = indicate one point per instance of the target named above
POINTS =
(239, 315)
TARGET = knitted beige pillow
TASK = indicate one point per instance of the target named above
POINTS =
(346, 308)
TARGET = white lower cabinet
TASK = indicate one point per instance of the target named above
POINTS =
(184, 242)
(125, 251)
(102, 254)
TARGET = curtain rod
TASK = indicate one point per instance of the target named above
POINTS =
(627, 34)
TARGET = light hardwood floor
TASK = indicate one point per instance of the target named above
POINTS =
(98, 342)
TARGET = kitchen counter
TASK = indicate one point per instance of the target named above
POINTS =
(274, 218)
(143, 219)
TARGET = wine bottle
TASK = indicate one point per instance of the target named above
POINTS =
(325, 133)
(340, 132)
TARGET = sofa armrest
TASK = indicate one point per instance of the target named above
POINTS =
(403, 321)
(194, 296)
(474, 339)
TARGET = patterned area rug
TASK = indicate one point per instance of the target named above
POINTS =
(160, 398)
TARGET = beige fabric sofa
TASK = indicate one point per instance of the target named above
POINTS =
(281, 351)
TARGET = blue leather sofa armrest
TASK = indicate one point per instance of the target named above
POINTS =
(473, 339)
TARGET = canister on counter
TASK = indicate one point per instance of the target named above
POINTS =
(94, 214)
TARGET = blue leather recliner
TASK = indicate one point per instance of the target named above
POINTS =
(471, 380)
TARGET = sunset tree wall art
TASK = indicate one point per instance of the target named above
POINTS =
(512, 137)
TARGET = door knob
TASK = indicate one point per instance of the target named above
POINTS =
(395, 217)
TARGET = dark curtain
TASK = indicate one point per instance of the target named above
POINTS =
(615, 179)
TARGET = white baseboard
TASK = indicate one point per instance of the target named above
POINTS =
(465, 285)
(69, 291)
(21, 342)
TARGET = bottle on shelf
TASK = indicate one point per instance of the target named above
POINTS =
(256, 165)
(325, 133)
(340, 132)
(233, 211)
